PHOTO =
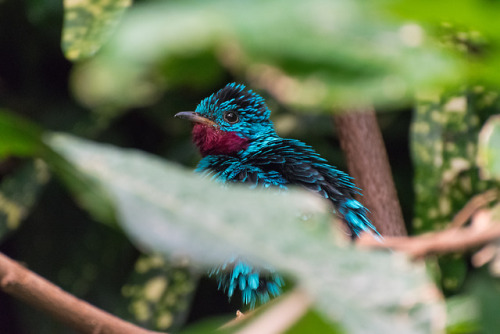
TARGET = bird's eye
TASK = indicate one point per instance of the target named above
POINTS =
(231, 117)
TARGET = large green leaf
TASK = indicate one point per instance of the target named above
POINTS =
(489, 148)
(88, 25)
(443, 142)
(315, 54)
(472, 26)
(166, 209)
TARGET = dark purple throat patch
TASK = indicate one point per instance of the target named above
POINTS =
(211, 141)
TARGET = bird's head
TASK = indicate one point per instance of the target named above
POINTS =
(229, 120)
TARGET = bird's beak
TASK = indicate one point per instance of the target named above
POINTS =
(195, 117)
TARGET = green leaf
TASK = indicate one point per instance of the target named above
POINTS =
(166, 209)
(159, 292)
(473, 21)
(462, 315)
(210, 325)
(443, 143)
(312, 322)
(488, 156)
(88, 24)
(19, 137)
(19, 192)
(466, 12)
(453, 270)
(324, 54)
(485, 291)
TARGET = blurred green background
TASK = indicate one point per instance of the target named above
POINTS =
(116, 72)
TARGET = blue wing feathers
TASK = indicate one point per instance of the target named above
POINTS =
(255, 284)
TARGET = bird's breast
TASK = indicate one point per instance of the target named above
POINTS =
(212, 141)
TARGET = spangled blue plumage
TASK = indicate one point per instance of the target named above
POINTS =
(239, 144)
(255, 284)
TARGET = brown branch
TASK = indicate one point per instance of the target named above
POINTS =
(482, 230)
(367, 160)
(472, 206)
(36, 291)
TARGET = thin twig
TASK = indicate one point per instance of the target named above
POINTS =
(483, 230)
(474, 204)
(36, 291)
(240, 316)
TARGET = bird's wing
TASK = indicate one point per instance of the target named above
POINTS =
(299, 164)
(287, 161)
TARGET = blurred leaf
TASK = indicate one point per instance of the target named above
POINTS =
(453, 269)
(471, 18)
(175, 198)
(477, 14)
(462, 315)
(443, 143)
(19, 137)
(19, 192)
(325, 53)
(197, 70)
(88, 24)
(211, 325)
(312, 322)
(486, 293)
(159, 292)
(489, 148)
(166, 209)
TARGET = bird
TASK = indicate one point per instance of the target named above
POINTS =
(238, 144)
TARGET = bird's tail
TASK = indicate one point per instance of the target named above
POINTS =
(256, 285)
(355, 215)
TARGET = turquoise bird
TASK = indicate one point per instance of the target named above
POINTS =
(239, 144)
